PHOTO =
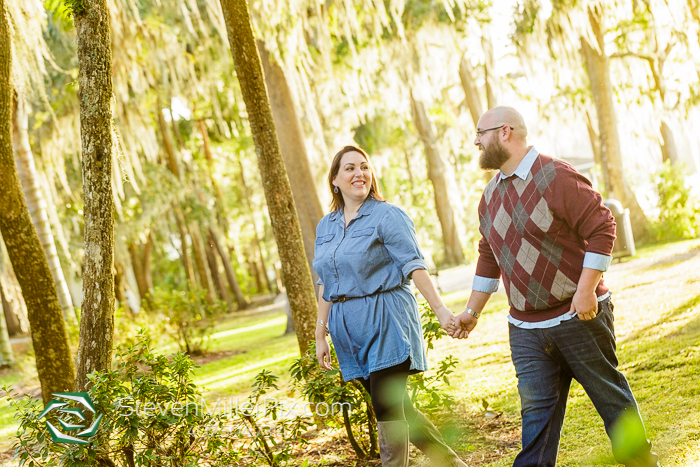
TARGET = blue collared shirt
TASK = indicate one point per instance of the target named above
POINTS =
(590, 260)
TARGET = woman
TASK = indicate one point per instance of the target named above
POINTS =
(366, 252)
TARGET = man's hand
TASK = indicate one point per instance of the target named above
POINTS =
(446, 319)
(465, 324)
(584, 304)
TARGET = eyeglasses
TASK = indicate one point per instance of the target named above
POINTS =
(481, 132)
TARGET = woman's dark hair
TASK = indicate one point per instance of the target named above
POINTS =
(337, 198)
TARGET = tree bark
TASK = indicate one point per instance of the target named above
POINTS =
(471, 92)
(598, 69)
(669, 150)
(37, 205)
(216, 278)
(141, 264)
(49, 334)
(200, 262)
(437, 174)
(167, 140)
(184, 255)
(95, 93)
(228, 268)
(120, 284)
(7, 358)
(278, 193)
(296, 159)
(489, 68)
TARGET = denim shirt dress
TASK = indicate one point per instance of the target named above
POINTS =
(369, 263)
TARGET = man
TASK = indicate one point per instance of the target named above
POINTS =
(546, 232)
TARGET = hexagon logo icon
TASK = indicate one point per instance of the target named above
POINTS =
(70, 406)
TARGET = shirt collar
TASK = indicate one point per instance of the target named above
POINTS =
(365, 210)
(524, 167)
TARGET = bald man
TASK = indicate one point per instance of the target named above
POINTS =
(547, 234)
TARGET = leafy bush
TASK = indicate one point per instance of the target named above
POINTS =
(679, 215)
(154, 415)
(187, 317)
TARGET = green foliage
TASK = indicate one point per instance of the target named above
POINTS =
(153, 414)
(75, 7)
(186, 316)
(319, 386)
(679, 215)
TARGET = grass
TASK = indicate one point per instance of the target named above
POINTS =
(657, 319)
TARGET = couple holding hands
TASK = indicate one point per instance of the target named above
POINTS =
(545, 232)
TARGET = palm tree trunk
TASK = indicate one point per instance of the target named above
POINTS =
(95, 93)
(598, 69)
(49, 334)
(184, 255)
(37, 205)
(437, 174)
(216, 278)
(296, 159)
(278, 193)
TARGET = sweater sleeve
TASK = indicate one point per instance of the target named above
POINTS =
(582, 208)
(486, 266)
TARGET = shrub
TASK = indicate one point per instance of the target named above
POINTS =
(186, 316)
(679, 211)
(154, 415)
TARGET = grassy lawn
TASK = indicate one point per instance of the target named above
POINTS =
(657, 319)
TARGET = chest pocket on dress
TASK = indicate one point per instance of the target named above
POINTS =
(322, 244)
(359, 241)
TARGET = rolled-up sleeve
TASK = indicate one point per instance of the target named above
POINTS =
(399, 236)
(596, 261)
(485, 284)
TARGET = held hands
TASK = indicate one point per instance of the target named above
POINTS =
(584, 304)
(465, 323)
(446, 319)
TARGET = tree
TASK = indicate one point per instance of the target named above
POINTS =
(49, 334)
(598, 69)
(278, 193)
(296, 160)
(95, 93)
(437, 175)
(36, 203)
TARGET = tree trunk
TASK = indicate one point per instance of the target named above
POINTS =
(597, 155)
(438, 177)
(49, 334)
(471, 92)
(184, 255)
(7, 358)
(14, 306)
(200, 262)
(278, 193)
(95, 94)
(489, 68)
(228, 267)
(669, 150)
(598, 69)
(167, 140)
(141, 264)
(296, 159)
(120, 284)
(216, 278)
(37, 205)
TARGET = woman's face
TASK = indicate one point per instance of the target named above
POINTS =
(354, 177)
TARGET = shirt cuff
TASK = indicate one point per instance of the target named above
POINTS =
(485, 284)
(412, 266)
(596, 261)
(319, 281)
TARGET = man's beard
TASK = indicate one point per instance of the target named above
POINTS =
(493, 157)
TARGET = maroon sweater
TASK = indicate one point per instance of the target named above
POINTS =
(535, 233)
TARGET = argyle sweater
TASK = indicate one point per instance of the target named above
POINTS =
(535, 233)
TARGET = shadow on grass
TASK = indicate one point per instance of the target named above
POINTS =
(672, 260)
(642, 332)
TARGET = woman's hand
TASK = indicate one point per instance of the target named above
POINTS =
(323, 354)
(446, 319)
